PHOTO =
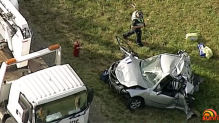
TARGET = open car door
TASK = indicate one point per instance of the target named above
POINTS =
(125, 48)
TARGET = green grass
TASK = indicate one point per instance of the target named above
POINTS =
(95, 23)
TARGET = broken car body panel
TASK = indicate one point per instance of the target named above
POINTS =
(128, 72)
(164, 80)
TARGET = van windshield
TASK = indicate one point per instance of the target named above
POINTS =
(61, 108)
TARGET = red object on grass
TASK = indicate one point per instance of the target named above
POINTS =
(76, 49)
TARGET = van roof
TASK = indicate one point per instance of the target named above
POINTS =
(51, 82)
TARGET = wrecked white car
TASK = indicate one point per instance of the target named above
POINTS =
(164, 80)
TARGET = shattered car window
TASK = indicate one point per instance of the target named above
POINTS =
(151, 70)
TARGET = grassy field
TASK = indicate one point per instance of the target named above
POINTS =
(95, 23)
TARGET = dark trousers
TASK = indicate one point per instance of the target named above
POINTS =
(138, 34)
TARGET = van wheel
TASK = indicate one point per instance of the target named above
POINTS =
(134, 103)
(10, 120)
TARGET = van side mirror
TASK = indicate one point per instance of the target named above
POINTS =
(25, 116)
(90, 95)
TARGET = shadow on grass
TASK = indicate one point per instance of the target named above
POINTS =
(91, 63)
(206, 97)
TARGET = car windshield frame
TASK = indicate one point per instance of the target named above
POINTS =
(151, 70)
(61, 108)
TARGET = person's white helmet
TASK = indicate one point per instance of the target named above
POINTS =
(139, 14)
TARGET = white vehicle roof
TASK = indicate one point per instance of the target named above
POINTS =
(50, 84)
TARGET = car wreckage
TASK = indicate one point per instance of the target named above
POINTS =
(165, 80)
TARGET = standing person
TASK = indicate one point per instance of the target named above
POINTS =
(137, 24)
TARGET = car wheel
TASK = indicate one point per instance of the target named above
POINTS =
(10, 120)
(134, 103)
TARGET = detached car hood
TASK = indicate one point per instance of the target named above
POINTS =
(128, 72)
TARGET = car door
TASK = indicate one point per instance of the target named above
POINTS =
(162, 96)
(125, 48)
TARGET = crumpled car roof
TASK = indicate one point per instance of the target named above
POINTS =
(128, 70)
(168, 62)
